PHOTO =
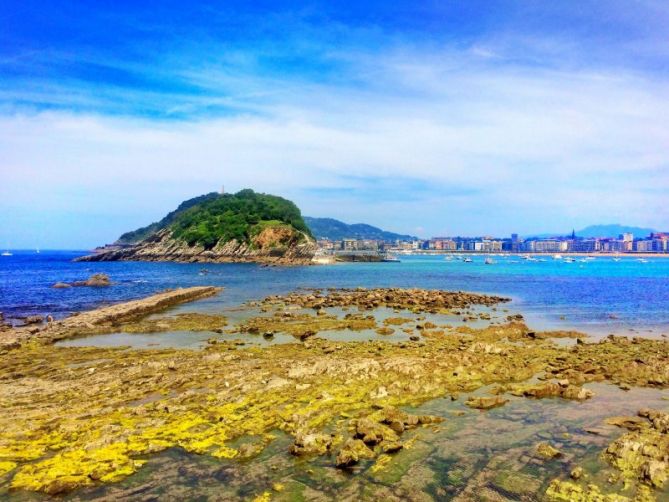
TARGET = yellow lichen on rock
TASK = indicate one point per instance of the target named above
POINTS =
(78, 416)
(6, 466)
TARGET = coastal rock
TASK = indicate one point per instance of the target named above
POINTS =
(373, 432)
(96, 280)
(270, 247)
(561, 389)
(353, 451)
(310, 443)
(486, 403)
(547, 451)
(33, 319)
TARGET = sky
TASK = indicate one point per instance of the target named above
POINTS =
(449, 117)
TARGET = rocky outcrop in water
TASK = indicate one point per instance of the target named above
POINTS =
(242, 227)
(280, 246)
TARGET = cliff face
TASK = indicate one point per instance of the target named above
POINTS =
(281, 246)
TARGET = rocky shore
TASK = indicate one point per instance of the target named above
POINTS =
(274, 246)
(77, 417)
(102, 319)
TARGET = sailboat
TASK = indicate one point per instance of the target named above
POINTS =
(6, 253)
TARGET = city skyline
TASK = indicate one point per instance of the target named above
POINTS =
(427, 119)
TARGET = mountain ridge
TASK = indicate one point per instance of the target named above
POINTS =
(333, 229)
(603, 230)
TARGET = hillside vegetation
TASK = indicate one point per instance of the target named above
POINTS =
(329, 228)
(211, 218)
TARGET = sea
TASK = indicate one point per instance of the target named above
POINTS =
(491, 453)
(598, 296)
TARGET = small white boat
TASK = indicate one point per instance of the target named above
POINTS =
(569, 260)
(391, 258)
(557, 256)
(468, 260)
(489, 261)
(6, 253)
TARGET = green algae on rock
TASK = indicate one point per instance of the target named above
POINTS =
(641, 457)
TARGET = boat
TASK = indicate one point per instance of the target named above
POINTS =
(557, 256)
(569, 260)
(468, 260)
(489, 261)
(448, 258)
(6, 253)
(388, 257)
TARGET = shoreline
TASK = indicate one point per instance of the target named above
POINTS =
(89, 320)
(340, 404)
(563, 254)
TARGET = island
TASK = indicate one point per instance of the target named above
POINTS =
(216, 227)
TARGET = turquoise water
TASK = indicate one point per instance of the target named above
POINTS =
(599, 296)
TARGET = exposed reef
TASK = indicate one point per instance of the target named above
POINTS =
(81, 416)
(106, 319)
(415, 300)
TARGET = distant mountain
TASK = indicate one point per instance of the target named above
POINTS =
(329, 228)
(613, 230)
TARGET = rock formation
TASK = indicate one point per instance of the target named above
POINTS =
(244, 227)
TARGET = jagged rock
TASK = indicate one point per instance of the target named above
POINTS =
(373, 432)
(310, 443)
(629, 423)
(353, 451)
(655, 472)
(96, 280)
(391, 446)
(486, 403)
(561, 389)
(33, 319)
(271, 246)
(547, 451)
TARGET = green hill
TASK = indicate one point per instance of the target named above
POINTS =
(208, 219)
(329, 228)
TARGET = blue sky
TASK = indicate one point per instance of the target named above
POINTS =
(443, 117)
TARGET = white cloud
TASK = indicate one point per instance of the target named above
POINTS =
(540, 149)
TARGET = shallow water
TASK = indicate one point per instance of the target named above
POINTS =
(236, 315)
(600, 296)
